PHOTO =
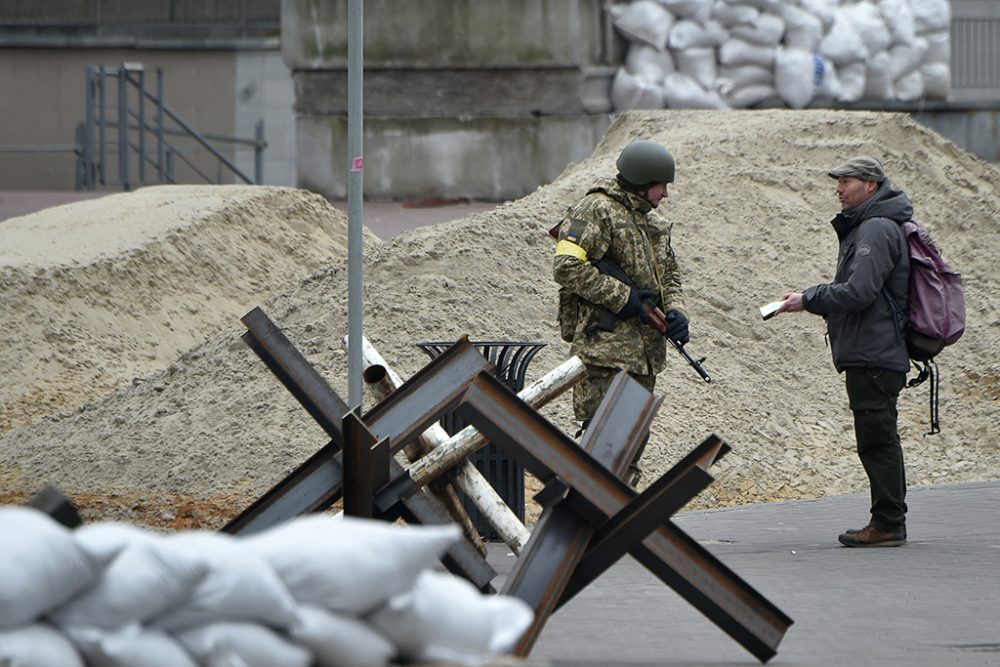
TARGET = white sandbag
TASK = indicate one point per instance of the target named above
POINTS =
(931, 15)
(340, 641)
(647, 63)
(866, 20)
(699, 64)
(794, 73)
(350, 565)
(827, 80)
(729, 15)
(842, 45)
(748, 96)
(632, 92)
(741, 76)
(906, 58)
(145, 580)
(852, 81)
(687, 8)
(691, 35)
(937, 80)
(444, 618)
(909, 88)
(767, 30)
(898, 20)
(802, 29)
(824, 10)
(878, 79)
(682, 92)
(765, 6)
(42, 565)
(240, 585)
(130, 646)
(242, 645)
(645, 21)
(739, 52)
(37, 645)
(938, 47)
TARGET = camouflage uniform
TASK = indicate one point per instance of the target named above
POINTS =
(614, 222)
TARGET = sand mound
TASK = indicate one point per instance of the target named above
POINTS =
(102, 291)
(751, 208)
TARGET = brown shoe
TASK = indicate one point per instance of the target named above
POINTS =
(869, 536)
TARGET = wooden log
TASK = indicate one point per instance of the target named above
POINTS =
(451, 452)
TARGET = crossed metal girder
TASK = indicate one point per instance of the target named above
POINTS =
(319, 482)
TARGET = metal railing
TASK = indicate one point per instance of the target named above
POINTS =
(123, 116)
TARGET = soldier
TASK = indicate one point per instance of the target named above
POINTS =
(601, 316)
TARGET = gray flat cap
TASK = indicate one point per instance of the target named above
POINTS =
(864, 167)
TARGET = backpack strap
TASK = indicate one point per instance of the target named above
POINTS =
(929, 371)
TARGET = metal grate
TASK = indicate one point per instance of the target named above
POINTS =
(975, 53)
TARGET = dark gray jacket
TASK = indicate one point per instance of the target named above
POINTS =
(873, 264)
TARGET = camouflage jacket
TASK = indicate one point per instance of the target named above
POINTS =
(610, 221)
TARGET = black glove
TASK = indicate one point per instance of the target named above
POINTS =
(633, 307)
(677, 327)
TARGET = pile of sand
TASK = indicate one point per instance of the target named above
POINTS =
(750, 209)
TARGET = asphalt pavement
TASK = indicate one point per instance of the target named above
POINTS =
(934, 601)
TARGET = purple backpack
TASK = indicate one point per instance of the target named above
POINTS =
(935, 316)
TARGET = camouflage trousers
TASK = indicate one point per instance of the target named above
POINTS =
(588, 394)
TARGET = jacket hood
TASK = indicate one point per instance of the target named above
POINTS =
(887, 202)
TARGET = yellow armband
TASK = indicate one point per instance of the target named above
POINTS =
(565, 247)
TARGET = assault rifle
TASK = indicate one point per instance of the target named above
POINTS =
(656, 317)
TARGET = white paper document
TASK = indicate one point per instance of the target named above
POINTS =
(768, 311)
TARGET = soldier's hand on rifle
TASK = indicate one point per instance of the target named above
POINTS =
(677, 327)
(633, 307)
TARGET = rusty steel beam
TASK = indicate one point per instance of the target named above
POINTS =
(559, 541)
(318, 483)
(430, 393)
(679, 561)
(366, 465)
(629, 527)
(295, 372)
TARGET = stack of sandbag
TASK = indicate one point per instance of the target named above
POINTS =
(720, 54)
(317, 591)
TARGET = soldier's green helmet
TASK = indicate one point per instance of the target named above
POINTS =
(646, 162)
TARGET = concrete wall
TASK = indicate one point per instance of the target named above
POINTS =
(483, 100)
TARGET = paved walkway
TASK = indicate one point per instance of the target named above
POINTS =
(934, 601)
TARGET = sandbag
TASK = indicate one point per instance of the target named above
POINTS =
(699, 64)
(931, 15)
(242, 645)
(766, 30)
(866, 20)
(878, 78)
(937, 80)
(688, 8)
(802, 29)
(239, 586)
(906, 58)
(647, 63)
(444, 618)
(899, 21)
(852, 81)
(633, 92)
(742, 76)
(149, 576)
(340, 641)
(349, 565)
(645, 21)
(42, 565)
(739, 52)
(682, 92)
(842, 45)
(37, 645)
(938, 47)
(794, 75)
(748, 96)
(729, 15)
(691, 34)
(824, 10)
(909, 88)
(130, 646)
(827, 80)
